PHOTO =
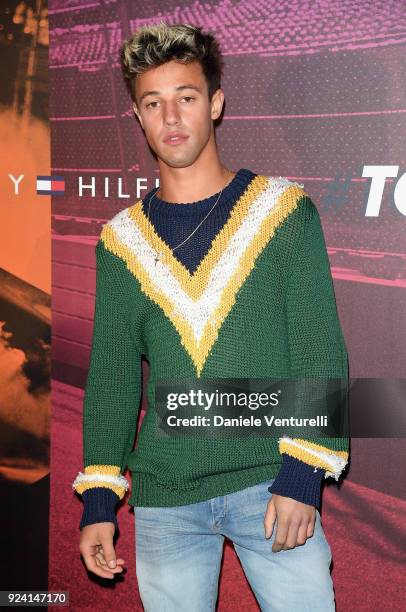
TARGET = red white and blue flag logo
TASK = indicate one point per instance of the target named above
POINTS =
(50, 185)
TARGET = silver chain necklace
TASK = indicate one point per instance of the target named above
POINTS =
(157, 257)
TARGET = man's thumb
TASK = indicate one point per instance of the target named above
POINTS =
(269, 519)
(109, 552)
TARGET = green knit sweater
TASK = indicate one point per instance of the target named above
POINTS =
(260, 304)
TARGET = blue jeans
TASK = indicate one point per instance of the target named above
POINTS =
(179, 551)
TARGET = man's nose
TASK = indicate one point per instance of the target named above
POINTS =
(171, 114)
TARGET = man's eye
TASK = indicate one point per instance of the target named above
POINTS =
(187, 98)
(150, 103)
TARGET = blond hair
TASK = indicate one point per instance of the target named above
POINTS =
(154, 45)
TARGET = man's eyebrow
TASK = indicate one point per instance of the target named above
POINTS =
(178, 88)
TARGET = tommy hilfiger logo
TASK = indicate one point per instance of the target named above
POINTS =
(50, 185)
(335, 196)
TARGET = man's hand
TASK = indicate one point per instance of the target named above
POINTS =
(294, 522)
(96, 547)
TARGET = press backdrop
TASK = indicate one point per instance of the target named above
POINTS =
(315, 92)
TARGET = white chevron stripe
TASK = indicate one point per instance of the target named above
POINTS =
(198, 312)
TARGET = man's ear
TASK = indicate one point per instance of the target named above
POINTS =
(137, 113)
(217, 102)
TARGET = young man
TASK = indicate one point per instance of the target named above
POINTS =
(215, 274)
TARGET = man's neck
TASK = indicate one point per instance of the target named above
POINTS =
(187, 185)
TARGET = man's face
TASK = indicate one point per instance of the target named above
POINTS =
(179, 104)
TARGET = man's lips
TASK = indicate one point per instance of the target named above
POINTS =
(174, 139)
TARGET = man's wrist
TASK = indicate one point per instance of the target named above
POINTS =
(298, 480)
(99, 505)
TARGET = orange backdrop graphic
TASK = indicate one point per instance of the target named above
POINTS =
(25, 301)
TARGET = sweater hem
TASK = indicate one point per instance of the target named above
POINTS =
(145, 491)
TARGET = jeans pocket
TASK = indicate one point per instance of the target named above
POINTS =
(261, 491)
(269, 483)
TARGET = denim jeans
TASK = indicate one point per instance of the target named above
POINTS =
(179, 551)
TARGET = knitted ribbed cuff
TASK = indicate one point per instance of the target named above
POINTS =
(98, 506)
(298, 480)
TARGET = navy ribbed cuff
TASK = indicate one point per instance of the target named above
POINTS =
(99, 505)
(298, 480)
